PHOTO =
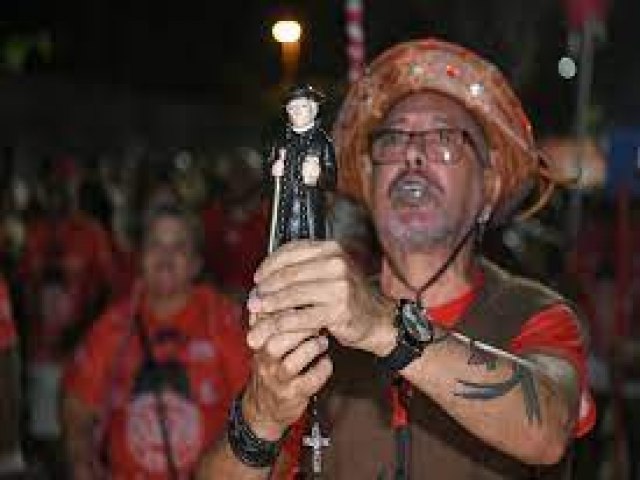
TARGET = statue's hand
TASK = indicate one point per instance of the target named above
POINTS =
(311, 170)
(277, 169)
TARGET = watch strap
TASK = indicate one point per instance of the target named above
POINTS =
(401, 356)
(405, 350)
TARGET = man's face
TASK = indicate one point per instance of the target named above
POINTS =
(301, 111)
(169, 260)
(427, 188)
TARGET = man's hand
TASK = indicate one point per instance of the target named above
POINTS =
(283, 381)
(311, 285)
(311, 170)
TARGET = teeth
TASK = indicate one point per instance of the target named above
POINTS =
(411, 190)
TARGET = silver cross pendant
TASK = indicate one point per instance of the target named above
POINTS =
(316, 442)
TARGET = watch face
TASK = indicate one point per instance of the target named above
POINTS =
(415, 323)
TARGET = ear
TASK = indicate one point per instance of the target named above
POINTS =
(492, 183)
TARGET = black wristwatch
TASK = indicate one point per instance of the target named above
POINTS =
(415, 332)
(245, 444)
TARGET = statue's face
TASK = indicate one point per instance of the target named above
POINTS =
(302, 112)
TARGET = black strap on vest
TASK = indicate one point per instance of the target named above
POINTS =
(161, 408)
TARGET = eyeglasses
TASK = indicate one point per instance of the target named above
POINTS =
(440, 145)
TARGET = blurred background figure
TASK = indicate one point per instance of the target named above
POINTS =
(11, 456)
(65, 272)
(236, 222)
(351, 226)
(614, 362)
(150, 385)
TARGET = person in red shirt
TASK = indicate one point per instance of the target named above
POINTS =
(447, 366)
(65, 275)
(66, 265)
(150, 385)
(236, 224)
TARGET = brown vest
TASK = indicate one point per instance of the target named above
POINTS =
(358, 412)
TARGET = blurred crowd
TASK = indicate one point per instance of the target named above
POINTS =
(83, 244)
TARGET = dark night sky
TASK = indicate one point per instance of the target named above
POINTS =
(194, 49)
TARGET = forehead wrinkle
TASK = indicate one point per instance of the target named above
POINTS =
(437, 110)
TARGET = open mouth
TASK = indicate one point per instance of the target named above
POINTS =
(413, 191)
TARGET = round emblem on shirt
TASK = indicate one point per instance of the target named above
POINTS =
(144, 435)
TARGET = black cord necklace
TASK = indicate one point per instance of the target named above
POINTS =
(402, 432)
(161, 407)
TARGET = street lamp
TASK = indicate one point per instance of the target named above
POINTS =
(287, 33)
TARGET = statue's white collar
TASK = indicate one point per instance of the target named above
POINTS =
(303, 129)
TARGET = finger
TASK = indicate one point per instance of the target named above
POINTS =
(277, 346)
(253, 319)
(301, 357)
(294, 252)
(322, 268)
(313, 380)
(318, 292)
(300, 320)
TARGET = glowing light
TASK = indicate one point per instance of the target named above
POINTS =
(286, 31)
(567, 68)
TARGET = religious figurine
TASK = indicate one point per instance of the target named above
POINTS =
(303, 165)
(302, 162)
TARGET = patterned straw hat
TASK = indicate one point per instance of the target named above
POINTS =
(436, 65)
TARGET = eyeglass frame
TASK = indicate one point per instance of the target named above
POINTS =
(466, 136)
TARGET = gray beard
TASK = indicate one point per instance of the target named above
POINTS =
(415, 240)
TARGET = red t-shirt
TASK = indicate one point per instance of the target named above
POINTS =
(7, 328)
(78, 248)
(553, 331)
(203, 360)
(235, 246)
(126, 268)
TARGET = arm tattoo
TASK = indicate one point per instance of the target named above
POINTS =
(480, 357)
(521, 376)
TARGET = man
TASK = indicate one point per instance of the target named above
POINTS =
(304, 161)
(151, 384)
(448, 367)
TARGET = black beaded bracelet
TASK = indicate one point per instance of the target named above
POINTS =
(245, 444)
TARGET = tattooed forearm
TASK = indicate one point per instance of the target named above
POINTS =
(521, 376)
